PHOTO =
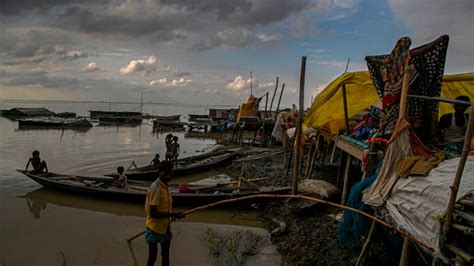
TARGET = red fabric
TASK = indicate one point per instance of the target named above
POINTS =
(390, 99)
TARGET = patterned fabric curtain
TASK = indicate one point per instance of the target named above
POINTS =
(426, 69)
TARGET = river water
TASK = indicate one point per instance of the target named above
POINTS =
(39, 226)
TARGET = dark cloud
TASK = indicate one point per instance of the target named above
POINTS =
(16, 7)
(197, 25)
(222, 8)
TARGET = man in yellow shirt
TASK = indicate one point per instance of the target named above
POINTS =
(159, 215)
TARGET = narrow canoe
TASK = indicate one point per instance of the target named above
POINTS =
(97, 187)
(185, 166)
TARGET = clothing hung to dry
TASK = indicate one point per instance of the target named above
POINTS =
(425, 69)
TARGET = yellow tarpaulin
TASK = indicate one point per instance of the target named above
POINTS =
(454, 86)
(250, 108)
(327, 111)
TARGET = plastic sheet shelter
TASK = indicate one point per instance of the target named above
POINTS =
(327, 111)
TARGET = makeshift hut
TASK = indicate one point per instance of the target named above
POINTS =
(27, 112)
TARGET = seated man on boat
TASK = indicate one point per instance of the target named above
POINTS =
(122, 181)
(158, 208)
(156, 161)
(174, 150)
(453, 127)
(38, 165)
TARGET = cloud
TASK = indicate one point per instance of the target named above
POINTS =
(91, 67)
(161, 82)
(173, 83)
(140, 65)
(266, 85)
(238, 83)
(428, 19)
(180, 82)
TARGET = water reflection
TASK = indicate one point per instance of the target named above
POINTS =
(37, 201)
(35, 206)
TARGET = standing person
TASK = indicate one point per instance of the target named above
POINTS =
(175, 150)
(453, 127)
(168, 141)
(158, 208)
(36, 163)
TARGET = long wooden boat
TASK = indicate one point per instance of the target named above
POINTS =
(185, 166)
(102, 187)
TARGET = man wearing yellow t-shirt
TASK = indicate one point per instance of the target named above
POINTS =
(158, 215)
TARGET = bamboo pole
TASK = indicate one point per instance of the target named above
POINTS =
(405, 256)
(315, 153)
(279, 99)
(300, 126)
(277, 196)
(457, 178)
(366, 244)
(345, 187)
(273, 97)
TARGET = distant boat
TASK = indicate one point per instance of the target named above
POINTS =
(120, 120)
(182, 194)
(166, 117)
(53, 122)
(186, 166)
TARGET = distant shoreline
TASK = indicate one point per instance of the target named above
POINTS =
(106, 102)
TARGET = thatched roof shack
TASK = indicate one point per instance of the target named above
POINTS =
(25, 112)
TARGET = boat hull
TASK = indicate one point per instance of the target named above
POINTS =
(134, 195)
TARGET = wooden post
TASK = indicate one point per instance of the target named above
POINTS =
(266, 103)
(346, 114)
(457, 178)
(281, 94)
(345, 187)
(300, 126)
(273, 97)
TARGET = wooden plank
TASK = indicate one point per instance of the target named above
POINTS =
(356, 151)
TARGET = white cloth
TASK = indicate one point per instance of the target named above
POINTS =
(416, 204)
(277, 132)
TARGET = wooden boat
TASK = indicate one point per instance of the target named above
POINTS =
(186, 166)
(167, 124)
(120, 120)
(53, 122)
(167, 117)
(103, 187)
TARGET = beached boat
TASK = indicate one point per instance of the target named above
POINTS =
(53, 122)
(103, 187)
(186, 166)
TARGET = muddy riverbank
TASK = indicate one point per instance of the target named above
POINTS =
(303, 239)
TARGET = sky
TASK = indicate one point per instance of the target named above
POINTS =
(202, 52)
